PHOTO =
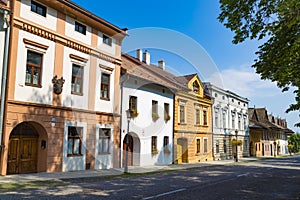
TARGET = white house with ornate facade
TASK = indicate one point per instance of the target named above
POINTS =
(230, 118)
(150, 98)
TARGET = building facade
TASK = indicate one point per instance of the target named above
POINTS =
(149, 96)
(268, 135)
(193, 122)
(62, 108)
(230, 122)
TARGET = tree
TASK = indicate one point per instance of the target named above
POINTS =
(294, 143)
(278, 22)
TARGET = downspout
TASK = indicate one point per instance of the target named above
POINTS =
(4, 78)
(173, 129)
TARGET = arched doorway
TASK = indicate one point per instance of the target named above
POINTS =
(133, 149)
(23, 149)
(182, 150)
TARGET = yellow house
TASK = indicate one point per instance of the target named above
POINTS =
(193, 122)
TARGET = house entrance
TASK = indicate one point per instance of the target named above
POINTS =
(23, 149)
(182, 150)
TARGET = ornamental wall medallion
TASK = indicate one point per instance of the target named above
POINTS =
(58, 84)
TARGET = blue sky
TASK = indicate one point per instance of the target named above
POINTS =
(197, 22)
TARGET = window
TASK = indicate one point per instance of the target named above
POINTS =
(224, 146)
(217, 147)
(217, 119)
(204, 117)
(80, 28)
(166, 111)
(245, 123)
(197, 117)
(33, 69)
(216, 95)
(154, 106)
(223, 97)
(133, 103)
(239, 122)
(38, 8)
(77, 79)
(104, 139)
(182, 114)
(205, 145)
(74, 140)
(233, 121)
(198, 145)
(154, 144)
(105, 84)
(196, 87)
(166, 141)
(107, 40)
(224, 119)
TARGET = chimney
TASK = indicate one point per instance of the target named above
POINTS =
(139, 54)
(161, 64)
(146, 58)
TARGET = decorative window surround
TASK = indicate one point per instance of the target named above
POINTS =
(35, 46)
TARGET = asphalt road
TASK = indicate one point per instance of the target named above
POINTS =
(268, 179)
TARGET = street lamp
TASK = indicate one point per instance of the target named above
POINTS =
(129, 116)
(236, 146)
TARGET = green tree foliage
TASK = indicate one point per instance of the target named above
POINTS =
(294, 143)
(278, 22)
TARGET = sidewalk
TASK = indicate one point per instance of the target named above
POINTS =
(44, 176)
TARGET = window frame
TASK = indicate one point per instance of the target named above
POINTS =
(76, 77)
(198, 146)
(166, 111)
(217, 146)
(107, 85)
(197, 116)
(154, 144)
(37, 7)
(102, 139)
(205, 118)
(107, 40)
(79, 136)
(205, 145)
(182, 114)
(80, 28)
(33, 67)
(133, 103)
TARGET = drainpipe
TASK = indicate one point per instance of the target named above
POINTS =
(4, 78)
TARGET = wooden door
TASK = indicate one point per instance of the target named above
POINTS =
(130, 150)
(22, 155)
(182, 151)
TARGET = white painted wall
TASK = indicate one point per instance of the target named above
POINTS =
(144, 126)
(74, 163)
(104, 47)
(70, 31)
(49, 21)
(104, 161)
(28, 93)
(100, 104)
(72, 100)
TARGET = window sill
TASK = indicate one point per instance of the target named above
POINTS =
(33, 85)
(105, 99)
(75, 155)
(76, 93)
(197, 125)
(103, 154)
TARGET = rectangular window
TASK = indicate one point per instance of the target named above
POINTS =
(107, 40)
(38, 8)
(74, 140)
(105, 85)
(104, 140)
(133, 103)
(197, 117)
(182, 114)
(34, 69)
(154, 144)
(80, 28)
(154, 106)
(198, 145)
(224, 146)
(245, 123)
(224, 120)
(204, 117)
(233, 121)
(77, 79)
(205, 145)
(166, 141)
(217, 147)
(239, 122)
(166, 111)
(217, 119)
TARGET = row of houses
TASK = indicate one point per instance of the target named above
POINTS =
(71, 100)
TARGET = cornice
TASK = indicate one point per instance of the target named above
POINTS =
(55, 37)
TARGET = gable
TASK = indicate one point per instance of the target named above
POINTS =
(196, 86)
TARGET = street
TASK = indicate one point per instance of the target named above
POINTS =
(264, 179)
